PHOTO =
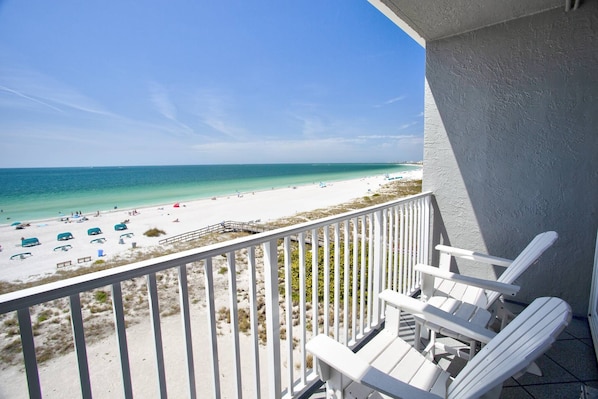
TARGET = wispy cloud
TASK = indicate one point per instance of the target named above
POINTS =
(32, 99)
(408, 125)
(332, 149)
(161, 100)
(313, 125)
(159, 97)
(391, 101)
(284, 149)
(213, 108)
(47, 92)
(386, 136)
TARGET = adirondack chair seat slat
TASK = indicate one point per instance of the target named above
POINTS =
(465, 311)
(401, 361)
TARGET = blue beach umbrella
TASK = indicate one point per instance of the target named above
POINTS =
(16, 224)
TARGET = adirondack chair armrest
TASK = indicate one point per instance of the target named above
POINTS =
(492, 285)
(340, 358)
(475, 256)
(436, 316)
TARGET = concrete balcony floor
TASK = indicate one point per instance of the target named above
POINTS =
(569, 366)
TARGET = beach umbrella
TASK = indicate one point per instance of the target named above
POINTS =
(16, 224)
(176, 205)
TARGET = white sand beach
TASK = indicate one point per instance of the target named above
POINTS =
(59, 375)
(189, 216)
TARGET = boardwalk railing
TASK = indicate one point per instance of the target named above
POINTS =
(225, 227)
(247, 306)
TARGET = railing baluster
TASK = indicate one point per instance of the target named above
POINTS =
(384, 251)
(212, 336)
(371, 271)
(408, 258)
(121, 338)
(302, 304)
(377, 267)
(314, 281)
(28, 346)
(337, 284)
(411, 246)
(395, 249)
(234, 320)
(186, 320)
(326, 303)
(80, 348)
(272, 316)
(390, 250)
(354, 328)
(347, 269)
(253, 316)
(362, 274)
(288, 311)
(154, 305)
(425, 258)
(403, 249)
(418, 242)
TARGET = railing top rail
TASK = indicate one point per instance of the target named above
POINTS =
(59, 289)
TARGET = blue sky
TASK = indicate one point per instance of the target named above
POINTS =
(94, 83)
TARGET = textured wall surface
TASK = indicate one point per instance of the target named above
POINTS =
(511, 144)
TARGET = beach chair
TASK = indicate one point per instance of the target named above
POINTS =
(476, 300)
(388, 365)
(94, 231)
(30, 242)
(64, 236)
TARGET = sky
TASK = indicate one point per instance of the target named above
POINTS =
(181, 82)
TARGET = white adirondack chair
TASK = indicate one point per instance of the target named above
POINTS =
(477, 300)
(390, 366)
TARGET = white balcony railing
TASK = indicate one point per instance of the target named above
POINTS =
(276, 290)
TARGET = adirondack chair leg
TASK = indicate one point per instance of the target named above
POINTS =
(505, 316)
(431, 348)
(472, 348)
(333, 380)
(417, 336)
(500, 314)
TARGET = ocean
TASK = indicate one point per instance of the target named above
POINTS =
(29, 194)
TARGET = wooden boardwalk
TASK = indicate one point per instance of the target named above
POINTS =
(227, 226)
(223, 227)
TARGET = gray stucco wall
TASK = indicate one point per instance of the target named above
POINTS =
(511, 145)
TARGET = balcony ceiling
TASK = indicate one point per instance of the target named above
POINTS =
(437, 19)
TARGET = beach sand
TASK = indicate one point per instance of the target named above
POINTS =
(191, 215)
(59, 375)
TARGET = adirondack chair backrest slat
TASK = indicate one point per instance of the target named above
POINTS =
(513, 349)
(526, 258)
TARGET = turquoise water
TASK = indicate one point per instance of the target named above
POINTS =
(43, 193)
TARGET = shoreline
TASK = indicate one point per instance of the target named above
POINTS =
(265, 205)
(34, 205)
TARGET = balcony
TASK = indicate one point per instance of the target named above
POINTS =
(237, 322)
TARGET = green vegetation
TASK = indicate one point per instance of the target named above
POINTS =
(101, 296)
(155, 232)
(43, 316)
(295, 283)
